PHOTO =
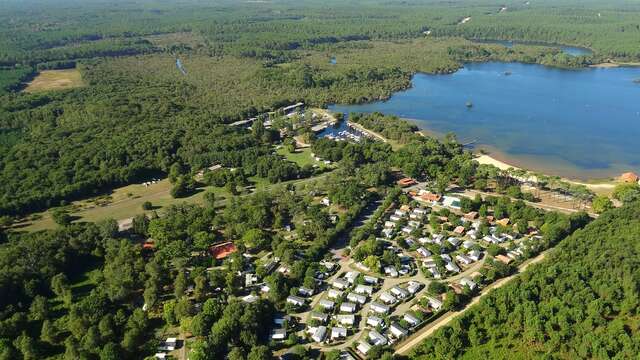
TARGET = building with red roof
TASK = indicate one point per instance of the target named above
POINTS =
(629, 177)
(221, 251)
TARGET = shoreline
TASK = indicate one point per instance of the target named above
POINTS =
(491, 155)
(614, 64)
(600, 185)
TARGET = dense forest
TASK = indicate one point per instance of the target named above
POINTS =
(582, 302)
(137, 114)
(90, 291)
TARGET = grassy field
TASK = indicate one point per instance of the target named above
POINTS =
(55, 80)
(122, 203)
(301, 157)
(126, 202)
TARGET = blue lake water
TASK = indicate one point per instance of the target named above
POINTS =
(575, 123)
(570, 50)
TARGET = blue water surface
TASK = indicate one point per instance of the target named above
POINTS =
(577, 123)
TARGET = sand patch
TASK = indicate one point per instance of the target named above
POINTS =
(48, 80)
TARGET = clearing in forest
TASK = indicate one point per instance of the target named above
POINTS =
(55, 80)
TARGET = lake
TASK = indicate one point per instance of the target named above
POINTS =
(575, 123)
(569, 50)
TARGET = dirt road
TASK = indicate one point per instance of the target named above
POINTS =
(406, 346)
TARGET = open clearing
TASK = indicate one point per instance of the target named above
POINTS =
(126, 202)
(55, 80)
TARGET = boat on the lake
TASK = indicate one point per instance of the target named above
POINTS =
(469, 104)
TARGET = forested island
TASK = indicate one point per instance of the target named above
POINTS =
(173, 187)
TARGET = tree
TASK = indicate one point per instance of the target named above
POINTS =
(140, 224)
(201, 287)
(180, 284)
(91, 340)
(61, 217)
(436, 287)
(236, 353)
(49, 333)
(147, 205)
(39, 309)
(601, 204)
(175, 171)
(442, 182)
(259, 353)
(627, 192)
(27, 347)
(60, 287)
(71, 349)
(151, 293)
(209, 198)
(372, 262)
(255, 239)
(111, 351)
(182, 187)
(169, 314)
(107, 328)
(7, 351)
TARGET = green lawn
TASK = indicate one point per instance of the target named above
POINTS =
(126, 202)
(301, 157)
(123, 203)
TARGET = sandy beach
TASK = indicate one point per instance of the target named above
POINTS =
(614, 64)
(487, 159)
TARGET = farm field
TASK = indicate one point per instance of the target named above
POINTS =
(50, 80)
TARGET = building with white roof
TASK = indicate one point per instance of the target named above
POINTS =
(379, 308)
(338, 333)
(327, 304)
(318, 316)
(320, 334)
(475, 255)
(468, 282)
(334, 294)
(348, 307)
(357, 298)
(351, 276)
(340, 284)
(375, 321)
(414, 287)
(348, 319)
(364, 289)
(303, 291)
(464, 259)
(399, 292)
(279, 334)
(424, 252)
(454, 241)
(411, 319)
(295, 300)
(435, 303)
(363, 347)
(370, 279)
(451, 266)
(377, 339)
(387, 298)
(391, 271)
(398, 331)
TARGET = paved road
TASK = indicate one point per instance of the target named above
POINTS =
(404, 347)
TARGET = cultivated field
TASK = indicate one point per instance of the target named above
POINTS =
(55, 80)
